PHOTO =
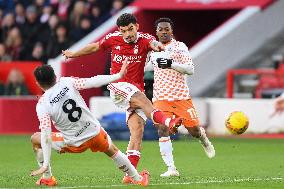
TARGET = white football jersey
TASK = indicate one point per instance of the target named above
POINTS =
(69, 112)
(170, 84)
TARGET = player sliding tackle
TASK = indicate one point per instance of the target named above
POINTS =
(128, 92)
(171, 93)
(78, 129)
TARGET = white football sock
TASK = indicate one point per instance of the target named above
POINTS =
(123, 163)
(39, 157)
(166, 149)
(182, 130)
(203, 138)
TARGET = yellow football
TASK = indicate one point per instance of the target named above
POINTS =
(237, 123)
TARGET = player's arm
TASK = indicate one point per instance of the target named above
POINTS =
(45, 137)
(180, 60)
(156, 46)
(100, 80)
(88, 49)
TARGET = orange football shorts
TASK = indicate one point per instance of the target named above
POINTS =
(179, 108)
(98, 143)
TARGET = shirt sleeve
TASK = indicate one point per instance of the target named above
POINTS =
(45, 127)
(148, 39)
(182, 61)
(106, 42)
(92, 82)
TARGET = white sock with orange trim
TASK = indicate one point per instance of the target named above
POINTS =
(39, 158)
(123, 163)
(166, 149)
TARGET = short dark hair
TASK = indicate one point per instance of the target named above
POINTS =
(126, 19)
(45, 75)
(168, 20)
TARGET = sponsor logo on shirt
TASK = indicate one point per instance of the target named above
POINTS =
(135, 49)
(118, 58)
(83, 129)
(117, 47)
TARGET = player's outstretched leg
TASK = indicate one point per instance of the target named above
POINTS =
(199, 133)
(123, 163)
(47, 178)
(139, 100)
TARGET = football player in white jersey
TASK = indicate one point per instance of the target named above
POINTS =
(171, 93)
(78, 129)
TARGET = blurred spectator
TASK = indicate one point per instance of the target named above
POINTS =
(16, 84)
(78, 11)
(59, 42)
(47, 10)
(14, 44)
(39, 5)
(3, 55)
(80, 32)
(7, 24)
(96, 16)
(31, 29)
(117, 5)
(48, 32)
(20, 14)
(63, 9)
(38, 54)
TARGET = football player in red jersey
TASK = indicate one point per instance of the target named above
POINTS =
(127, 93)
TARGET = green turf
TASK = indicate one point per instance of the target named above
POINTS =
(239, 163)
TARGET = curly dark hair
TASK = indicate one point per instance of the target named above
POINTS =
(45, 75)
(168, 20)
(126, 19)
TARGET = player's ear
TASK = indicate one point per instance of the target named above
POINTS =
(137, 27)
(39, 86)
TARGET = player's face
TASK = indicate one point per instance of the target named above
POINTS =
(129, 33)
(164, 32)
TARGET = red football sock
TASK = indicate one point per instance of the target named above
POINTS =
(134, 157)
(159, 117)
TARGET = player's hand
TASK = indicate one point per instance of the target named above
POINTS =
(39, 171)
(157, 46)
(67, 54)
(124, 66)
(164, 63)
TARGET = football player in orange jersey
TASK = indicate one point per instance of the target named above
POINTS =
(171, 93)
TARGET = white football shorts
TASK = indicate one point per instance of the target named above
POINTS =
(121, 94)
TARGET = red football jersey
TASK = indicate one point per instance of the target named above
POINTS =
(135, 52)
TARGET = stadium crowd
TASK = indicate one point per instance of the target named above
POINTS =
(39, 29)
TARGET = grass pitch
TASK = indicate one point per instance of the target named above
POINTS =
(239, 163)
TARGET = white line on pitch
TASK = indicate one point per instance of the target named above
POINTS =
(174, 183)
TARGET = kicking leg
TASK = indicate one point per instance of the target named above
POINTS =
(166, 150)
(139, 100)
